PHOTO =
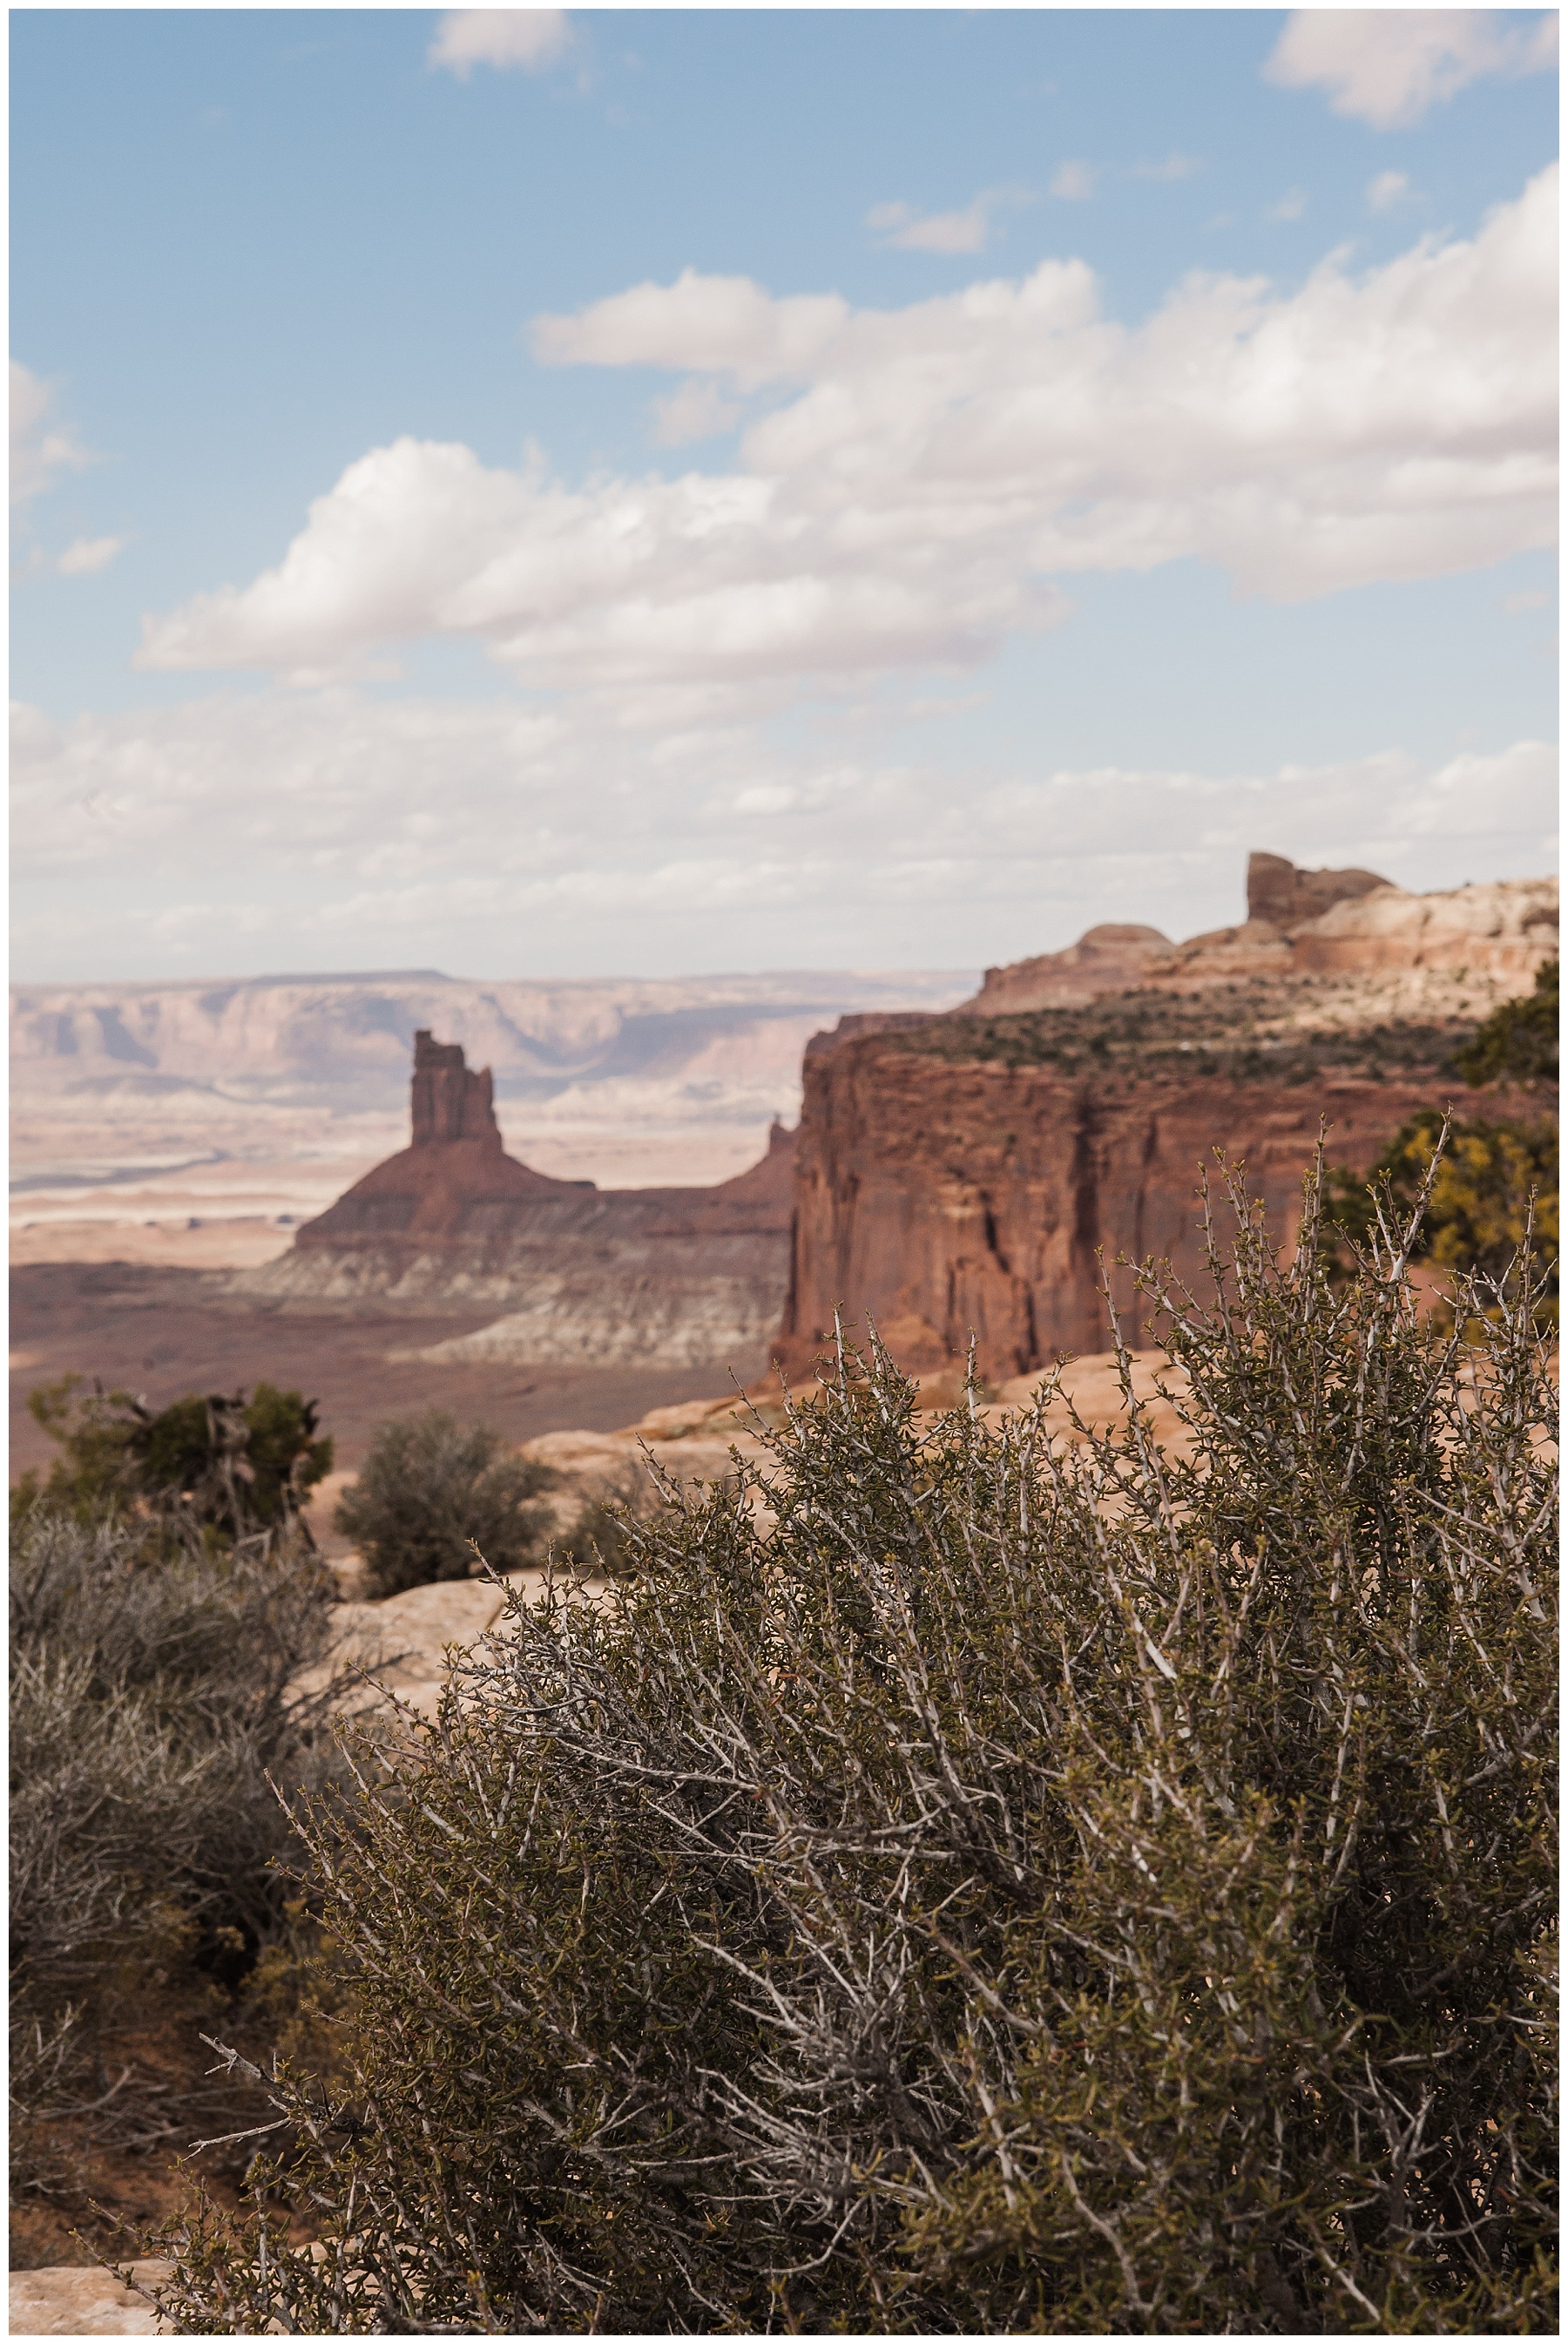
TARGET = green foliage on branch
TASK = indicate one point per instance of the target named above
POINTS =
(227, 1466)
(1008, 1885)
(433, 1494)
(1518, 1043)
(1492, 1187)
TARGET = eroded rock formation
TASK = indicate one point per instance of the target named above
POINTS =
(1450, 952)
(972, 1174)
(1278, 892)
(653, 1277)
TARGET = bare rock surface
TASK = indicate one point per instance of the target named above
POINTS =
(979, 1174)
(1457, 951)
(71, 2300)
(1286, 896)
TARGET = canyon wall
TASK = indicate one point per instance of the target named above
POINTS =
(941, 1199)
(970, 1172)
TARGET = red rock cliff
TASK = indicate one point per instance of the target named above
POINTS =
(939, 1198)
(966, 1175)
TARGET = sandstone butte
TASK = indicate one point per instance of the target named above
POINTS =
(965, 1172)
(662, 1277)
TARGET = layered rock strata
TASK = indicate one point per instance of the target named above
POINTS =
(652, 1276)
(1455, 950)
(978, 1174)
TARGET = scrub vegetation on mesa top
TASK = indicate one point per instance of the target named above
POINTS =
(1030, 1886)
(1236, 1033)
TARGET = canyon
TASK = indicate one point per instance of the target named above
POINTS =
(985, 1173)
(652, 1277)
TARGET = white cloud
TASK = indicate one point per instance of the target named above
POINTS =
(698, 411)
(531, 38)
(1389, 189)
(1073, 183)
(40, 449)
(1390, 67)
(1289, 207)
(949, 232)
(933, 471)
(1530, 599)
(346, 829)
(86, 555)
(710, 325)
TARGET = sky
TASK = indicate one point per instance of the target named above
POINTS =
(574, 494)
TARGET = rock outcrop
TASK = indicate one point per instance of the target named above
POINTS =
(1106, 959)
(1287, 897)
(1449, 952)
(648, 1276)
(971, 1174)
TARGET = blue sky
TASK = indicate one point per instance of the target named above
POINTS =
(532, 494)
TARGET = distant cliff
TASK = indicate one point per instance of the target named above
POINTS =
(968, 1173)
(1456, 949)
(652, 1277)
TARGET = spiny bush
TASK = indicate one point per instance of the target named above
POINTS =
(431, 1491)
(1012, 1885)
(605, 1538)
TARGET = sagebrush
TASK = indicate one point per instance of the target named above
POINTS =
(982, 1881)
(159, 1737)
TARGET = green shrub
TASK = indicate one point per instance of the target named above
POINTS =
(1518, 1043)
(1023, 1886)
(229, 1466)
(1495, 1183)
(609, 1536)
(430, 1492)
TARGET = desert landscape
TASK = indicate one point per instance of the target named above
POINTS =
(785, 1206)
(962, 1177)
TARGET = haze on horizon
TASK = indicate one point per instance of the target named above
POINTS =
(533, 494)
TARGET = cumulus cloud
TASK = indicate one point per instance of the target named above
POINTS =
(444, 833)
(1389, 189)
(900, 225)
(710, 325)
(927, 478)
(1289, 207)
(506, 38)
(41, 448)
(84, 556)
(1390, 67)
